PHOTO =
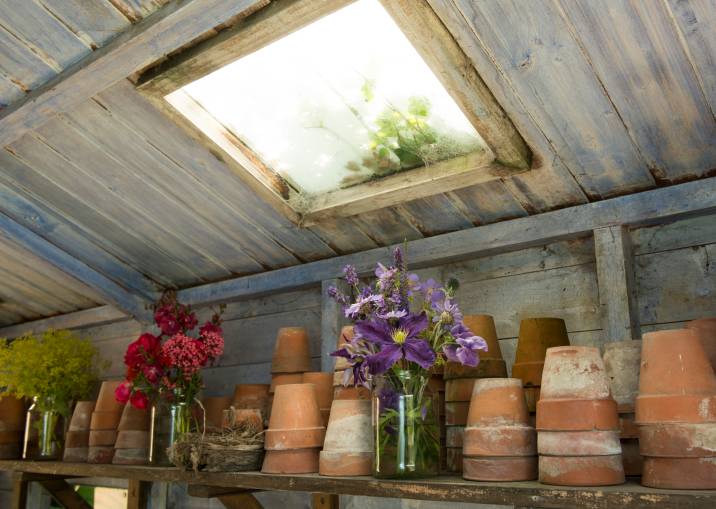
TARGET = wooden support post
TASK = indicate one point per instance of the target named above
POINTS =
(64, 494)
(617, 292)
(332, 319)
(138, 494)
(324, 501)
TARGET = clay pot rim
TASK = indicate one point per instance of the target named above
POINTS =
(577, 348)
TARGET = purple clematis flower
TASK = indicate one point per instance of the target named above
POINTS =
(364, 305)
(395, 313)
(396, 342)
(446, 310)
(465, 349)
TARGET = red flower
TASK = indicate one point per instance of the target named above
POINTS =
(122, 393)
(151, 373)
(209, 327)
(213, 344)
(133, 357)
(139, 400)
(184, 353)
(149, 343)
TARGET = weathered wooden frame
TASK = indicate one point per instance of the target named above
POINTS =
(509, 153)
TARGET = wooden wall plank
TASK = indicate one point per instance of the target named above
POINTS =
(696, 231)
(332, 321)
(94, 21)
(554, 80)
(676, 138)
(696, 20)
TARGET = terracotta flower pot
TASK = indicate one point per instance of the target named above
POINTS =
(348, 447)
(75, 439)
(293, 461)
(631, 457)
(678, 440)
(324, 391)
(82, 416)
(132, 440)
(496, 402)
(679, 473)
(284, 379)
(134, 419)
(344, 337)
(535, 337)
(130, 457)
(575, 393)
(581, 470)
(100, 455)
(252, 396)
(105, 420)
(627, 427)
(359, 392)
(459, 389)
(621, 361)
(214, 410)
(292, 352)
(106, 402)
(505, 469)
(579, 443)
(75, 455)
(491, 365)
(103, 438)
(677, 382)
(295, 419)
(12, 414)
(706, 329)
(236, 417)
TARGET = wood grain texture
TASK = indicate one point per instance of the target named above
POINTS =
(85, 318)
(332, 320)
(487, 203)
(95, 22)
(449, 489)
(676, 138)
(690, 232)
(433, 215)
(22, 65)
(617, 287)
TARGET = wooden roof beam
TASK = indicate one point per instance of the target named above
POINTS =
(167, 29)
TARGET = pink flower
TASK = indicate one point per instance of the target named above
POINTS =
(213, 344)
(210, 327)
(139, 400)
(184, 353)
(122, 393)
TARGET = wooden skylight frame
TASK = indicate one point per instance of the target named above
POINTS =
(508, 154)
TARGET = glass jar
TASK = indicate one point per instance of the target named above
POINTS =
(44, 431)
(169, 421)
(405, 426)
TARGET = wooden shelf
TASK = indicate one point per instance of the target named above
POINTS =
(532, 494)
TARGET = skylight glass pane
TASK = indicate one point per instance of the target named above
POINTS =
(341, 101)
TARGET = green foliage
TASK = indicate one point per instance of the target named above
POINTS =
(57, 367)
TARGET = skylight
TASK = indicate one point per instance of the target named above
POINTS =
(345, 100)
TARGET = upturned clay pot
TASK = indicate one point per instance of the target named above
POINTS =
(134, 419)
(491, 365)
(100, 455)
(581, 470)
(706, 330)
(293, 461)
(575, 393)
(627, 427)
(496, 402)
(214, 410)
(344, 337)
(677, 382)
(132, 440)
(75, 455)
(359, 392)
(579, 443)
(12, 414)
(535, 337)
(324, 390)
(106, 402)
(82, 416)
(295, 419)
(75, 439)
(252, 396)
(292, 353)
(242, 417)
(348, 447)
(682, 440)
(284, 379)
(631, 457)
(103, 438)
(105, 420)
(679, 473)
(459, 389)
(130, 457)
(621, 361)
(503, 469)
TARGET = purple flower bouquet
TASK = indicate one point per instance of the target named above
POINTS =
(404, 329)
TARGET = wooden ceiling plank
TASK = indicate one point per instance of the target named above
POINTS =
(438, 48)
(434, 215)
(677, 138)
(108, 289)
(343, 235)
(21, 64)
(95, 22)
(649, 207)
(9, 92)
(487, 203)
(25, 291)
(386, 226)
(170, 27)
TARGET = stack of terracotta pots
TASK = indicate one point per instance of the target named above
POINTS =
(291, 357)
(252, 396)
(577, 422)
(348, 448)
(341, 391)
(132, 445)
(295, 434)
(499, 443)
(535, 337)
(12, 427)
(324, 391)
(706, 330)
(622, 360)
(77, 437)
(103, 425)
(214, 407)
(676, 411)
(459, 381)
